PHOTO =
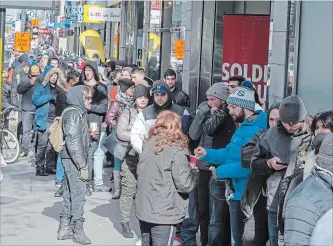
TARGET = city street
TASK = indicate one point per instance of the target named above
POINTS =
(29, 212)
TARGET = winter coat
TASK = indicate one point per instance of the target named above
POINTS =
(42, 97)
(116, 108)
(162, 192)
(322, 234)
(76, 130)
(204, 126)
(229, 158)
(9, 94)
(25, 89)
(306, 205)
(289, 148)
(146, 119)
(181, 98)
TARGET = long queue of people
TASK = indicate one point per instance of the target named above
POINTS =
(253, 176)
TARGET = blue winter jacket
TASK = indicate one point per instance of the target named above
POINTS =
(41, 99)
(229, 158)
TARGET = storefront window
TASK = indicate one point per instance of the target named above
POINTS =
(291, 50)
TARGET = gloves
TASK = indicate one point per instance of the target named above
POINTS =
(84, 174)
(213, 170)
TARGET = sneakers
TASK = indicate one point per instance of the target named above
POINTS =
(42, 172)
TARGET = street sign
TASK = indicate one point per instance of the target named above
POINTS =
(34, 22)
(58, 25)
(73, 13)
(22, 42)
(179, 47)
(30, 13)
(35, 32)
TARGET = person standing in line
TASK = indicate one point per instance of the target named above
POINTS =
(160, 202)
(234, 83)
(241, 105)
(129, 165)
(179, 97)
(279, 151)
(75, 161)
(213, 209)
(124, 99)
(96, 115)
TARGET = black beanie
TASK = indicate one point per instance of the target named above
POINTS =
(125, 84)
(141, 91)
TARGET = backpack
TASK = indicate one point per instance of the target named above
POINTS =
(56, 133)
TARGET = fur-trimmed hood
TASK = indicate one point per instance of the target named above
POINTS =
(61, 82)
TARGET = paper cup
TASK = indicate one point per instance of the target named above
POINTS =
(193, 159)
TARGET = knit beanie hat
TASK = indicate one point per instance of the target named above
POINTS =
(325, 157)
(219, 90)
(243, 97)
(125, 84)
(141, 91)
(292, 110)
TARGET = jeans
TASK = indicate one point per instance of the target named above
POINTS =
(60, 170)
(236, 223)
(219, 226)
(27, 123)
(273, 229)
(191, 224)
(74, 196)
(117, 164)
(98, 161)
(157, 235)
(45, 156)
(203, 204)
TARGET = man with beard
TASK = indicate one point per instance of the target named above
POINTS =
(146, 119)
(241, 105)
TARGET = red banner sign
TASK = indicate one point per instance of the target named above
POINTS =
(44, 31)
(245, 49)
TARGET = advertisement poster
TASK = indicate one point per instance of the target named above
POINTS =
(245, 49)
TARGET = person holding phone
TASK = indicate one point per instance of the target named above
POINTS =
(279, 153)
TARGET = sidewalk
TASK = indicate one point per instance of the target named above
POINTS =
(29, 212)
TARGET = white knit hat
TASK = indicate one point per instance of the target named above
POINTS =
(242, 97)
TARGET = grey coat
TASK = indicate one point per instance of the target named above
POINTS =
(9, 94)
(289, 148)
(164, 181)
(306, 205)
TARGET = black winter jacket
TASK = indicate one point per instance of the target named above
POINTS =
(76, 135)
(181, 98)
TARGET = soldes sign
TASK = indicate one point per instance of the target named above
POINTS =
(245, 49)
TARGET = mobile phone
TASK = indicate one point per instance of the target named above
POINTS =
(282, 163)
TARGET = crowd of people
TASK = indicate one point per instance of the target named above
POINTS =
(236, 173)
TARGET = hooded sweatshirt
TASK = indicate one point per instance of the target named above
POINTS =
(99, 104)
(25, 89)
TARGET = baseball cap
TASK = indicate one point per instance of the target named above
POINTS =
(34, 70)
(159, 89)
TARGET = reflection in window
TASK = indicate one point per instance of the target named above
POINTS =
(289, 88)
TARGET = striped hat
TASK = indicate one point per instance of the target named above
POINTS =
(243, 97)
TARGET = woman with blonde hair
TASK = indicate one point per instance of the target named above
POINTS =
(165, 178)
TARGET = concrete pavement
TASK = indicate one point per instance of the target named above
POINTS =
(29, 213)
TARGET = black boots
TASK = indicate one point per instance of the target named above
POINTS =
(41, 172)
(127, 233)
(79, 235)
(117, 185)
(65, 229)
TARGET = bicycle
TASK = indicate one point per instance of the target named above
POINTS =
(9, 144)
